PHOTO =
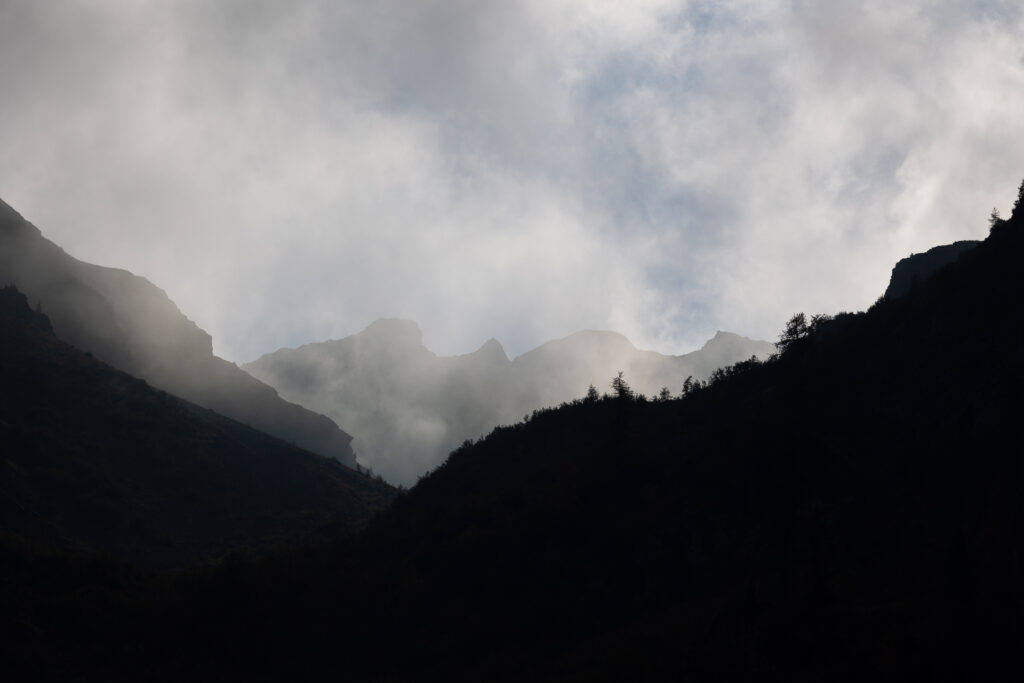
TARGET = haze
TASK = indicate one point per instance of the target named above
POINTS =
(291, 171)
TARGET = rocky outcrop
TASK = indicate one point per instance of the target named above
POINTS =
(916, 268)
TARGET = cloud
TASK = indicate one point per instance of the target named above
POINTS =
(289, 172)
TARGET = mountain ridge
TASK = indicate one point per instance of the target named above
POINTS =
(97, 461)
(409, 407)
(849, 510)
(909, 272)
(132, 324)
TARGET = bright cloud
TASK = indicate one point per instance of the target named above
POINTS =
(291, 171)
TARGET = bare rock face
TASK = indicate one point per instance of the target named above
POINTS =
(128, 322)
(409, 407)
(917, 268)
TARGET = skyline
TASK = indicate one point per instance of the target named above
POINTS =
(290, 172)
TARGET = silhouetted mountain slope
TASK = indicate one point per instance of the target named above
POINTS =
(847, 511)
(96, 460)
(850, 511)
(131, 324)
(916, 268)
(410, 408)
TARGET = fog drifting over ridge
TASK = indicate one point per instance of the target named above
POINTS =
(290, 172)
(408, 407)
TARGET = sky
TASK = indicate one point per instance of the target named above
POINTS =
(290, 171)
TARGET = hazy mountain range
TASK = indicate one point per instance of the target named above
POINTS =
(408, 407)
(126, 321)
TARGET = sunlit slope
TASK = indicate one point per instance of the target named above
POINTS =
(128, 322)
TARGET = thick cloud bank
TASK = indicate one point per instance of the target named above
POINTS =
(291, 171)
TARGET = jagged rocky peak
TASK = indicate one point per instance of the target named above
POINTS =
(492, 350)
(723, 349)
(917, 268)
(730, 341)
(387, 340)
(721, 338)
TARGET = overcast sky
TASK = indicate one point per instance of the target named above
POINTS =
(290, 171)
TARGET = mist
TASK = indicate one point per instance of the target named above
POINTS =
(408, 407)
(290, 172)
(129, 323)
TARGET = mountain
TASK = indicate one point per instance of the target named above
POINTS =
(410, 407)
(97, 461)
(129, 323)
(916, 268)
(850, 510)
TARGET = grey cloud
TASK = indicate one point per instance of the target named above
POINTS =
(292, 171)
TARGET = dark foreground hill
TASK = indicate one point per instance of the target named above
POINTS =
(850, 511)
(131, 324)
(97, 461)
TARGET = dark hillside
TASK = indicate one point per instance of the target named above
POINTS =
(848, 511)
(95, 460)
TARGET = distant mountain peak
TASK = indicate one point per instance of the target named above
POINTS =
(726, 347)
(604, 339)
(492, 351)
(722, 338)
(394, 329)
(598, 334)
(409, 407)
